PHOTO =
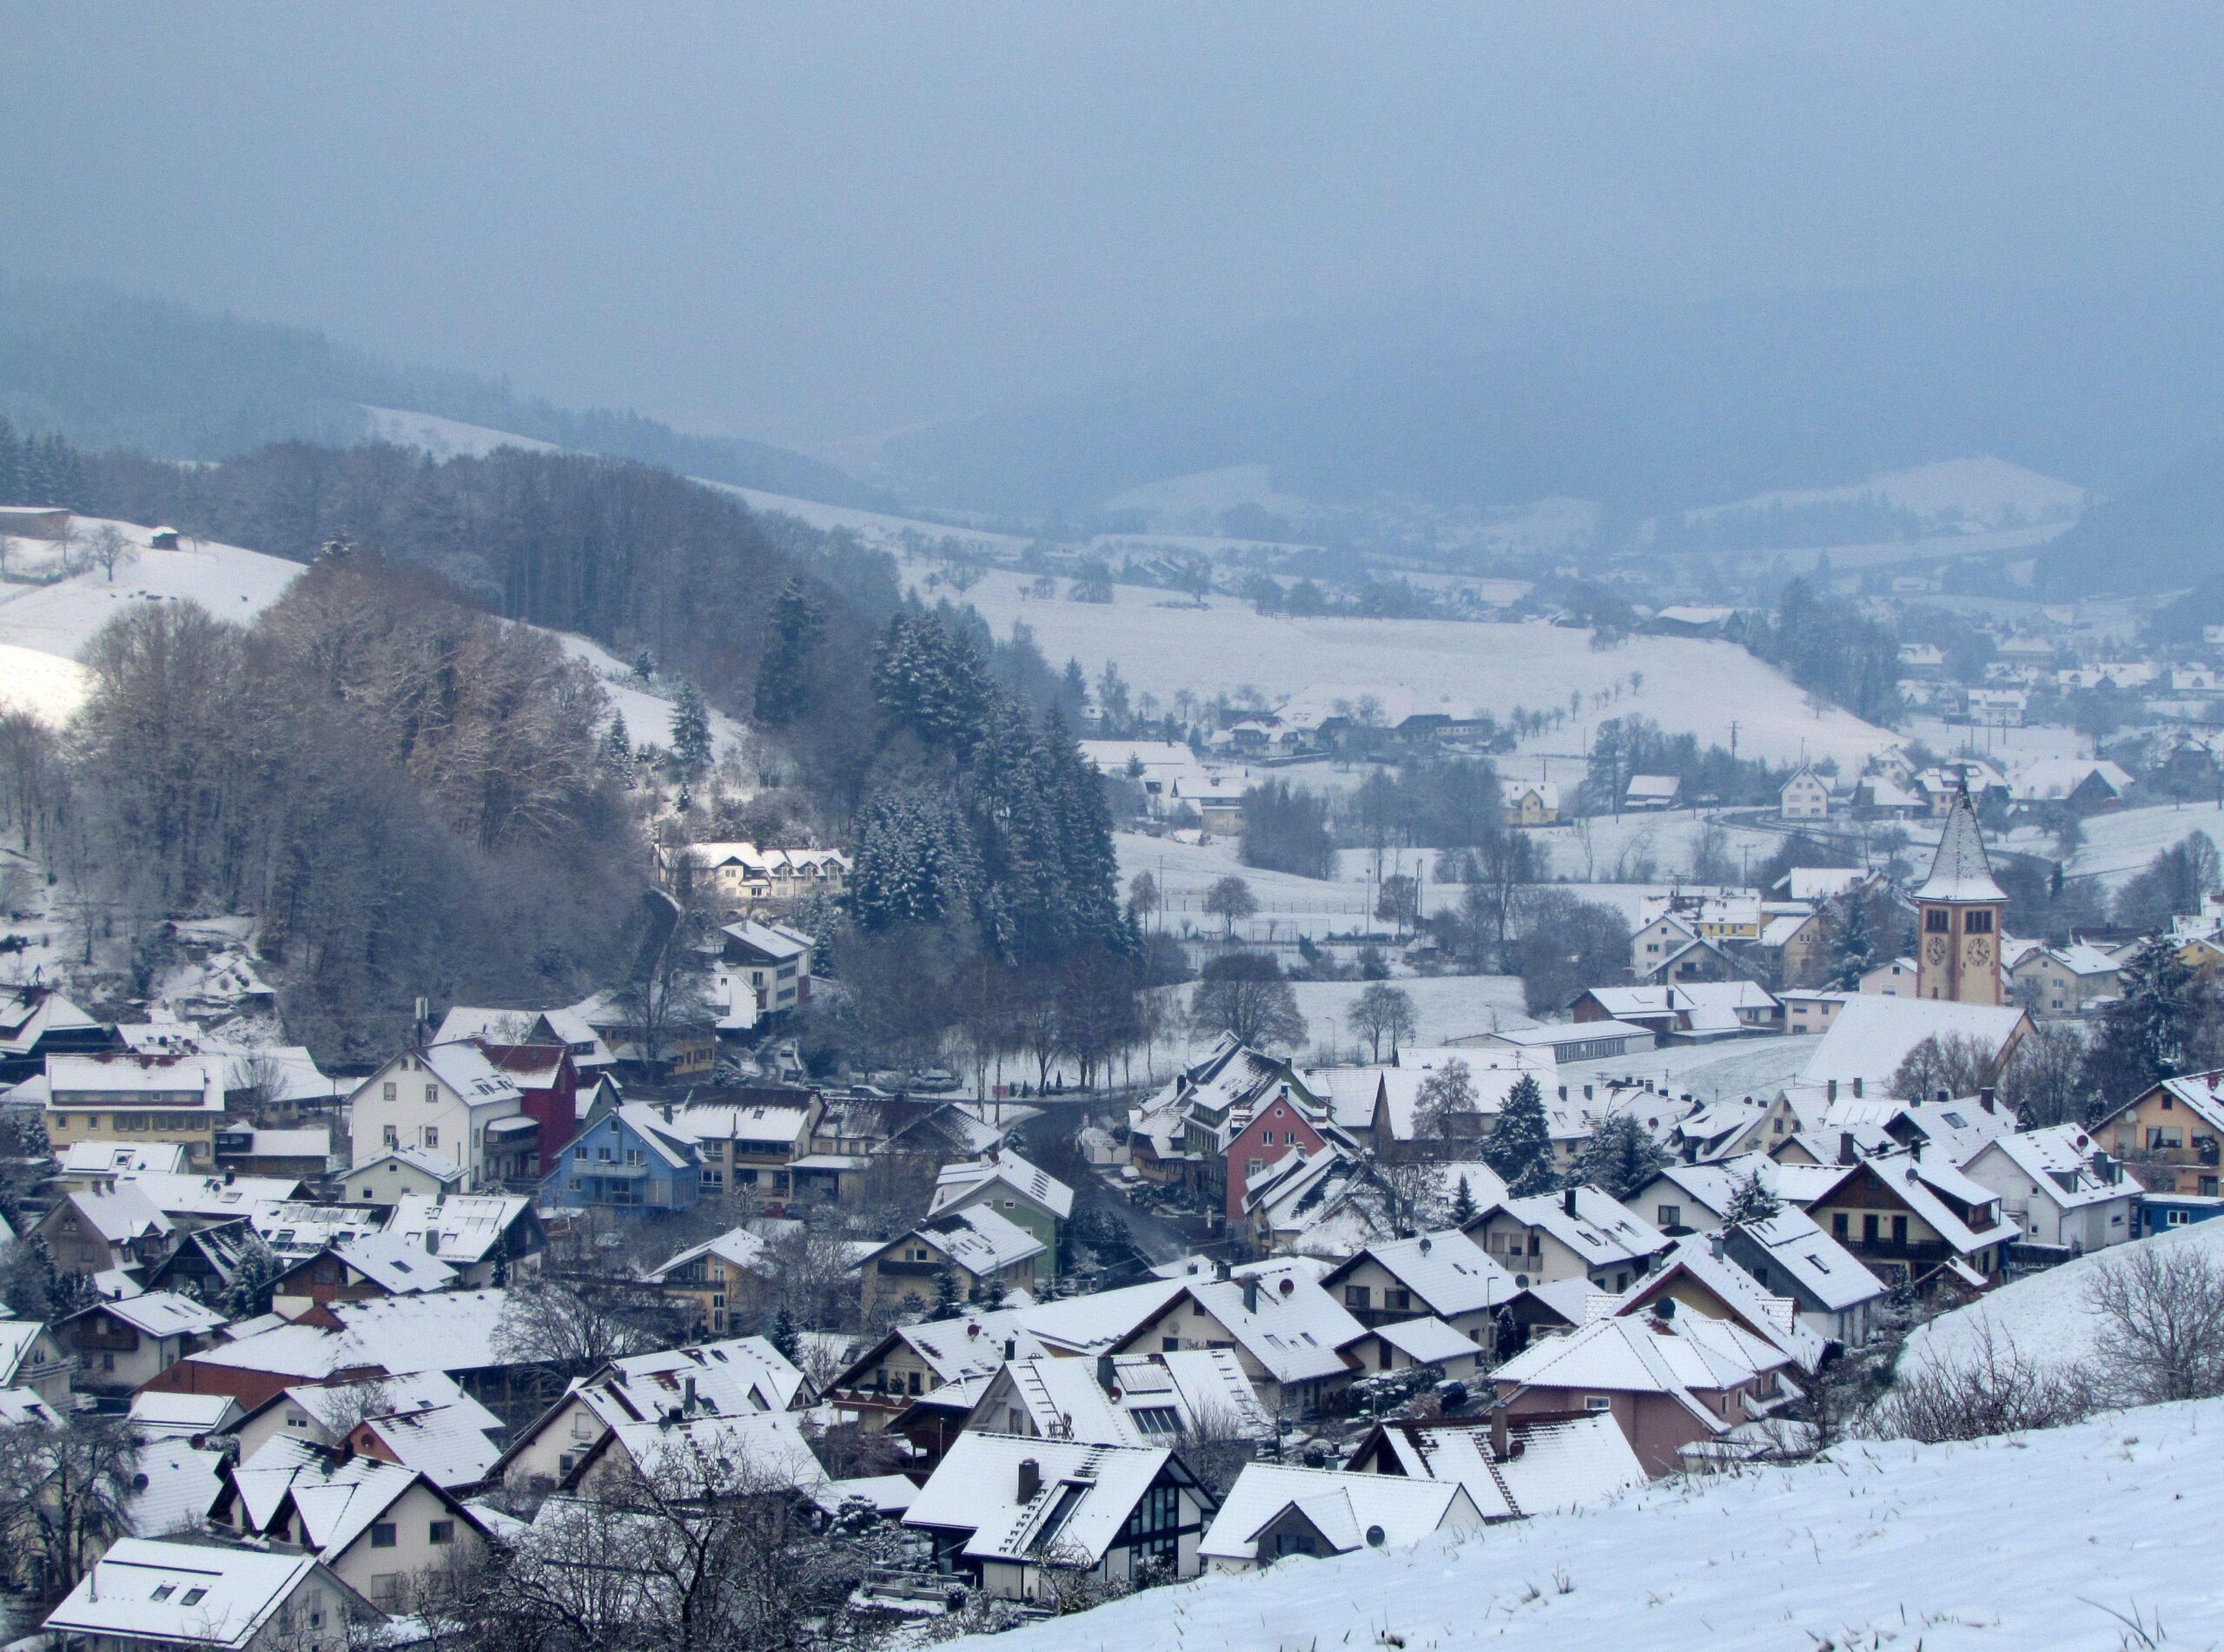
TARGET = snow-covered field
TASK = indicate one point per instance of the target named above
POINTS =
(2033, 1543)
(1991, 493)
(444, 438)
(2045, 1315)
(1446, 1008)
(1728, 1072)
(43, 628)
(2120, 844)
(1162, 646)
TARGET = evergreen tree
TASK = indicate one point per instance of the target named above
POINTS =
(615, 755)
(1854, 946)
(2154, 1029)
(797, 628)
(691, 727)
(947, 1301)
(1463, 1203)
(785, 1340)
(644, 667)
(1750, 1201)
(1620, 1156)
(247, 1296)
(1519, 1145)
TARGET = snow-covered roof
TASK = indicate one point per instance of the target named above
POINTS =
(1080, 1500)
(736, 1375)
(1560, 1465)
(1600, 1229)
(449, 1330)
(111, 1157)
(21, 1407)
(1349, 1510)
(173, 1482)
(161, 1313)
(2059, 1163)
(1960, 871)
(120, 1215)
(417, 1158)
(1927, 1187)
(968, 1179)
(1872, 1035)
(337, 1498)
(120, 1078)
(394, 1263)
(1447, 1271)
(1820, 1265)
(466, 1069)
(465, 1228)
(776, 943)
(182, 1594)
(154, 1414)
(737, 1248)
(977, 1239)
(1284, 1319)
(1773, 1318)
(227, 1195)
(757, 1448)
(1151, 1399)
(1093, 1324)
(1427, 1341)
(1645, 1355)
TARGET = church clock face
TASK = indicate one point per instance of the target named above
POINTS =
(1936, 949)
(1981, 951)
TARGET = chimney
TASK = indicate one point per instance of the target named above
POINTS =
(1846, 1154)
(1915, 1149)
(1944, 1094)
(1499, 1431)
(1030, 1479)
(1563, 1092)
(1011, 1348)
(1985, 1098)
(1427, 1245)
(687, 1404)
(1250, 1294)
(1665, 1309)
(431, 1241)
(1104, 1376)
(1832, 1093)
(1719, 1248)
(1586, 1093)
(1567, 1200)
(1856, 1089)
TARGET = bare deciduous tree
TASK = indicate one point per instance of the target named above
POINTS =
(2161, 1312)
(1997, 1389)
(63, 1491)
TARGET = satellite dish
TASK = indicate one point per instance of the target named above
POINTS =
(1376, 1536)
(1522, 1282)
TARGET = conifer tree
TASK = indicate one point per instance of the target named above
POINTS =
(1750, 1201)
(797, 629)
(691, 727)
(1520, 1145)
(615, 755)
(1463, 1203)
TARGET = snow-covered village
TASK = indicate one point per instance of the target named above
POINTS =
(1229, 827)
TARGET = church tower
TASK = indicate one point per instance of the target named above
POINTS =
(1958, 915)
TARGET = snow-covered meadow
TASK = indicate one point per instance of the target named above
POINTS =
(2053, 1542)
(1163, 644)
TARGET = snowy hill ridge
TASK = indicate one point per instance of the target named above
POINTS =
(2032, 1542)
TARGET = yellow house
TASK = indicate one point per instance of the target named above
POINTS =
(2173, 1135)
(124, 1098)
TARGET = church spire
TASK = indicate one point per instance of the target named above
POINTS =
(1961, 872)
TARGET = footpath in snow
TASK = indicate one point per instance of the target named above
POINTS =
(2034, 1543)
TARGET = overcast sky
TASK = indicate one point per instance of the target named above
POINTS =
(816, 222)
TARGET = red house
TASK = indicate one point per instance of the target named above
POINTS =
(1278, 1125)
(549, 1083)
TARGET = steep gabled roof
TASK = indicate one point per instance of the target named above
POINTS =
(1960, 871)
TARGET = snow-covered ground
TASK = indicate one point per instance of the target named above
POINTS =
(1163, 645)
(1984, 492)
(2035, 1543)
(2046, 1316)
(2118, 845)
(1445, 1007)
(444, 438)
(1727, 1072)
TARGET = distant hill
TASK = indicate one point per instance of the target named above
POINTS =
(1648, 410)
(106, 370)
(2161, 535)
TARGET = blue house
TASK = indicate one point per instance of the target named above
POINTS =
(628, 1157)
(2160, 1212)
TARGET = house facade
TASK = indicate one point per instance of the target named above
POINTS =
(449, 1101)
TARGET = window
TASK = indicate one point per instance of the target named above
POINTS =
(1937, 921)
(432, 1135)
(441, 1531)
(1670, 1216)
(1899, 1230)
(389, 1090)
(432, 1095)
(1398, 1301)
(1869, 1230)
(382, 1534)
(2175, 1218)
(1597, 1403)
(193, 1597)
(579, 1155)
(1977, 923)
(393, 1135)
(1358, 1296)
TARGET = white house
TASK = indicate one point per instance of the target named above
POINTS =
(149, 1594)
(447, 1100)
(1275, 1510)
(2060, 1187)
(1804, 796)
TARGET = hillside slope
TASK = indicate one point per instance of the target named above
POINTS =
(2032, 1543)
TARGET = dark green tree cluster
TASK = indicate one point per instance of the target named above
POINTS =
(1827, 645)
(1002, 824)
(38, 470)
(1286, 829)
(1519, 1145)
